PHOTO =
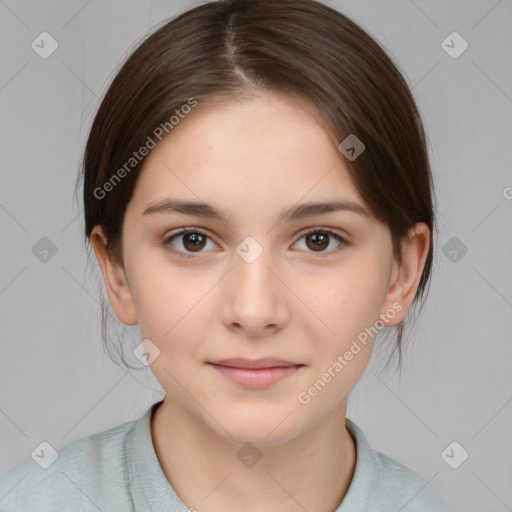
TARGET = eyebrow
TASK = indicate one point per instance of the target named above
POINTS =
(207, 210)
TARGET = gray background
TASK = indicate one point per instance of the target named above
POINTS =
(56, 382)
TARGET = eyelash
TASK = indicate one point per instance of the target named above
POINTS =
(180, 254)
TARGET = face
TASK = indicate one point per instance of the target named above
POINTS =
(298, 289)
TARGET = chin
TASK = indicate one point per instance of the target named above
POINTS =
(269, 431)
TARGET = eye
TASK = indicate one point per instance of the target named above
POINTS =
(318, 239)
(190, 241)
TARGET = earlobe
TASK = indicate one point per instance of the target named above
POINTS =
(406, 275)
(116, 283)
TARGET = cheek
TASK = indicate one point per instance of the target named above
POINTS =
(164, 300)
(348, 301)
(175, 320)
(342, 332)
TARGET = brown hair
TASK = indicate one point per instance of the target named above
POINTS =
(229, 49)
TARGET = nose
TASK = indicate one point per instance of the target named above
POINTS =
(255, 301)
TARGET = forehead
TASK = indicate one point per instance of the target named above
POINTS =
(255, 154)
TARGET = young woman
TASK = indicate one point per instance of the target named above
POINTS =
(258, 196)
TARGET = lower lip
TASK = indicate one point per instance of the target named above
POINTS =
(256, 378)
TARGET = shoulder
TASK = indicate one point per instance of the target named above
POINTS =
(380, 483)
(85, 473)
(412, 491)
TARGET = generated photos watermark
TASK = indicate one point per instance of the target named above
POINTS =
(158, 133)
(304, 397)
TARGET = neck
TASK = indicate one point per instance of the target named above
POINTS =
(209, 473)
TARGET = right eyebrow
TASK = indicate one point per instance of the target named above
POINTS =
(194, 208)
(207, 210)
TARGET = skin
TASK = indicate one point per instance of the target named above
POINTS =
(252, 158)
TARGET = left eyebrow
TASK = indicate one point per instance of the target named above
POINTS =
(319, 208)
(207, 210)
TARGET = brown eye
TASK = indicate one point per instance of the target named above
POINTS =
(318, 240)
(187, 242)
(194, 241)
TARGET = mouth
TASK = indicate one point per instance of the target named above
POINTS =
(256, 373)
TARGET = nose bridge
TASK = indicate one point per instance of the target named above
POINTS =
(251, 268)
(256, 298)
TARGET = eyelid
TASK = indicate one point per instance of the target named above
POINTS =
(191, 255)
(323, 229)
(183, 231)
(331, 232)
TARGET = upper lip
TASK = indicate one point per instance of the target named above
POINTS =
(264, 362)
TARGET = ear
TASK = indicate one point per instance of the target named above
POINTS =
(405, 276)
(118, 289)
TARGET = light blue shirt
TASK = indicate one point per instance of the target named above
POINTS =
(117, 470)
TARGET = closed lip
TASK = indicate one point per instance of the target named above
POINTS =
(254, 364)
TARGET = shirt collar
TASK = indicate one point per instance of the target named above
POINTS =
(151, 491)
(364, 480)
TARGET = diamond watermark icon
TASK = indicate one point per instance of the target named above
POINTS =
(249, 249)
(44, 45)
(45, 455)
(454, 455)
(146, 352)
(249, 455)
(454, 45)
(44, 250)
(351, 147)
(454, 249)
